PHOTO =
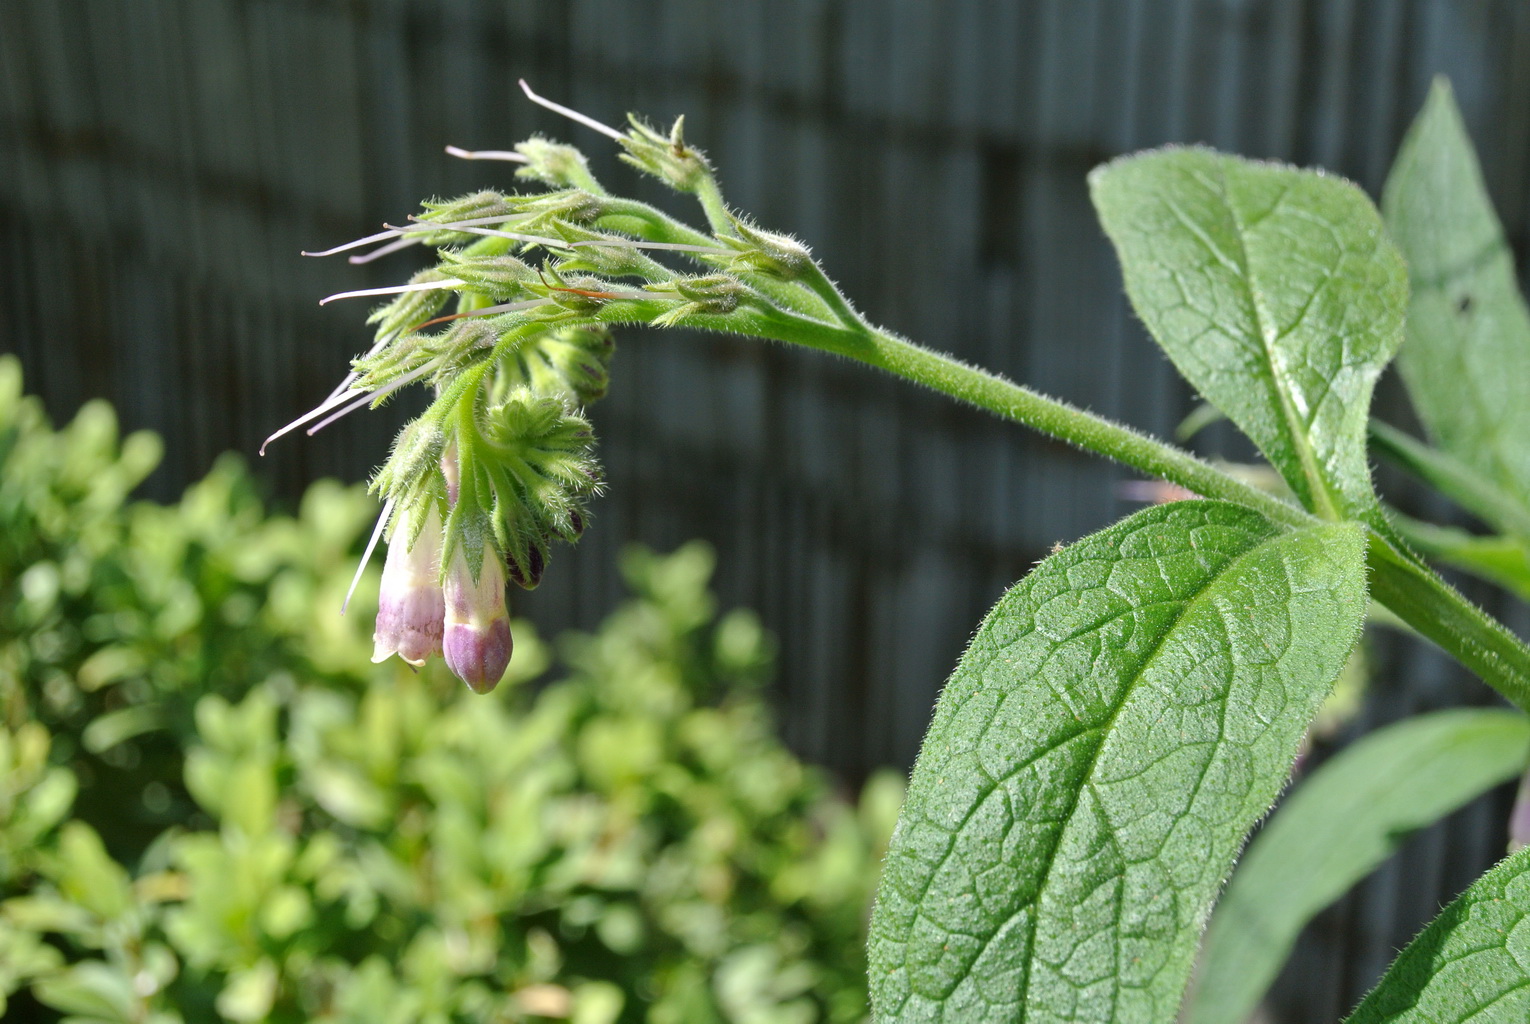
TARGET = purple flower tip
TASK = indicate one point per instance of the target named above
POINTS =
(477, 641)
(479, 656)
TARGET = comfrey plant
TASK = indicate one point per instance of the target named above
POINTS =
(1131, 708)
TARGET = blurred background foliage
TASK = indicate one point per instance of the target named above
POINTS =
(213, 807)
(163, 161)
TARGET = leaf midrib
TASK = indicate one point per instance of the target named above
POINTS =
(1322, 497)
(1104, 732)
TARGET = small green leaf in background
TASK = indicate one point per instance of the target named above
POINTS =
(1122, 718)
(1460, 481)
(1276, 293)
(250, 992)
(1339, 825)
(89, 876)
(94, 990)
(1501, 560)
(1467, 359)
(1471, 964)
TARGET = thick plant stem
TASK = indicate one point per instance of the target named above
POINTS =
(1416, 593)
(1398, 579)
(1049, 415)
(1434, 608)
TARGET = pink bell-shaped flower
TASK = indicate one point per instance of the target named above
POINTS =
(411, 609)
(477, 641)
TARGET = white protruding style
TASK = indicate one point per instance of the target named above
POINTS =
(394, 289)
(507, 155)
(572, 115)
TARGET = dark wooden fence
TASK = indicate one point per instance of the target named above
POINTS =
(163, 161)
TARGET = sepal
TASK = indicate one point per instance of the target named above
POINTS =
(766, 252)
(555, 164)
(666, 157)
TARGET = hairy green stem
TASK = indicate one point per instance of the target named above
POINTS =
(814, 277)
(1461, 482)
(1049, 415)
(1438, 611)
(713, 205)
(1416, 593)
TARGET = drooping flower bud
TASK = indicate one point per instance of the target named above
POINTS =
(527, 572)
(410, 606)
(477, 641)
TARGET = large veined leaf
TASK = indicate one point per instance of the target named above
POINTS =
(1123, 716)
(1275, 291)
(1472, 964)
(1342, 822)
(1467, 359)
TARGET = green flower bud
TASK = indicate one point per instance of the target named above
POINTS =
(765, 252)
(411, 309)
(552, 163)
(572, 361)
(607, 255)
(471, 207)
(499, 276)
(711, 295)
(666, 157)
(571, 205)
(536, 456)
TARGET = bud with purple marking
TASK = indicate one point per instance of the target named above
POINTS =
(410, 605)
(477, 641)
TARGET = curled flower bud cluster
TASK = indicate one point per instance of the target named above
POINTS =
(511, 329)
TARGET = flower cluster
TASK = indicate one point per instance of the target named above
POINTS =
(501, 465)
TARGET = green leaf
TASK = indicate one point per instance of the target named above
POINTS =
(1457, 480)
(1276, 293)
(1419, 597)
(88, 876)
(93, 989)
(250, 992)
(1501, 560)
(1338, 826)
(1122, 718)
(1468, 353)
(1471, 964)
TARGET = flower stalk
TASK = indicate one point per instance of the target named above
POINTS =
(539, 279)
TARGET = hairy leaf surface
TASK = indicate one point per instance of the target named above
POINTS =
(1123, 716)
(1275, 291)
(1471, 964)
(1467, 359)
(1338, 826)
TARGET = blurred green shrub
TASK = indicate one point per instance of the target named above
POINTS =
(213, 807)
